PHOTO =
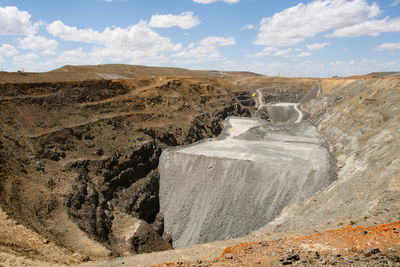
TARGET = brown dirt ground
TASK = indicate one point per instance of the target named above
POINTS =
(375, 245)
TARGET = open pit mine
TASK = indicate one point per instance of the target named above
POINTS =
(118, 165)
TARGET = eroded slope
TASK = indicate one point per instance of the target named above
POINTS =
(79, 159)
(360, 118)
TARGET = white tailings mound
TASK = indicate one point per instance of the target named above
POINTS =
(242, 180)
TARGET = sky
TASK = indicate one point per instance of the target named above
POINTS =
(319, 38)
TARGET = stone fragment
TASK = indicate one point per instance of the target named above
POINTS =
(228, 256)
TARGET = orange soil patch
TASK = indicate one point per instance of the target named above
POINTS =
(362, 245)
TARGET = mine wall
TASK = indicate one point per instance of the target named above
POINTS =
(229, 186)
(360, 119)
(92, 187)
(80, 160)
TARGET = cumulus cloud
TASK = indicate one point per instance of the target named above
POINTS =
(317, 46)
(204, 51)
(15, 22)
(293, 25)
(217, 41)
(387, 46)
(308, 68)
(71, 33)
(136, 44)
(199, 53)
(21, 59)
(213, 1)
(247, 27)
(105, 55)
(8, 50)
(79, 57)
(293, 53)
(34, 42)
(185, 20)
(370, 27)
(304, 54)
(283, 53)
(138, 36)
(265, 52)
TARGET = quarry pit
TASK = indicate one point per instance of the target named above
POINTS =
(95, 169)
(240, 181)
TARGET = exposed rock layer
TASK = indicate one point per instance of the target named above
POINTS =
(79, 159)
(360, 119)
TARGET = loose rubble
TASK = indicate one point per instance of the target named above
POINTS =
(345, 247)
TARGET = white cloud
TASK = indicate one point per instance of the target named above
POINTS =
(15, 22)
(283, 53)
(247, 27)
(293, 25)
(22, 59)
(71, 33)
(307, 68)
(8, 50)
(138, 36)
(304, 54)
(185, 20)
(34, 42)
(213, 1)
(317, 46)
(388, 46)
(370, 27)
(79, 57)
(395, 3)
(265, 52)
(218, 41)
(110, 55)
(293, 53)
(136, 44)
(198, 54)
(204, 51)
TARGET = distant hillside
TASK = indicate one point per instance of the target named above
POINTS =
(127, 71)
(384, 74)
(110, 71)
(392, 74)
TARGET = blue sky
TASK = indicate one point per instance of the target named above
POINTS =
(319, 38)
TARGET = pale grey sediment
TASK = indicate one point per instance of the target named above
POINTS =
(239, 182)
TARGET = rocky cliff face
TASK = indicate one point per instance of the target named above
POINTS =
(79, 159)
(360, 119)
